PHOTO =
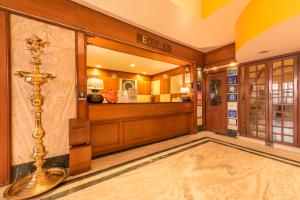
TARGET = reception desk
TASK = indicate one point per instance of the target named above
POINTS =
(120, 126)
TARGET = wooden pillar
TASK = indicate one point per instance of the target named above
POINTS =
(194, 95)
(5, 130)
(81, 75)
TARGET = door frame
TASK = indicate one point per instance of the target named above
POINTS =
(205, 95)
(247, 104)
(242, 97)
(296, 135)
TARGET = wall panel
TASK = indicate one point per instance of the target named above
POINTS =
(60, 103)
(5, 138)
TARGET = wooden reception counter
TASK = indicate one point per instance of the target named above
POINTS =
(119, 126)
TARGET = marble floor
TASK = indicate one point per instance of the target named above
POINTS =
(201, 166)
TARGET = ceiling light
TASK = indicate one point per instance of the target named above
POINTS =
(232, 64)
(96, 72)
(262, 52)
(132, 65)
(98, 66)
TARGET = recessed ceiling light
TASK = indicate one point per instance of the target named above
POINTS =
(262, 52)
(98, 66)
(132, 65)
(144, 72)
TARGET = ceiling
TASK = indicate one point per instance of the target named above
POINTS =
(263, 45)
(180, 23)
(114, 60)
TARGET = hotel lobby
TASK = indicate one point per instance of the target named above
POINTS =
(150, 99)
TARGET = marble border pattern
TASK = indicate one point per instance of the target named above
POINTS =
(182, 147)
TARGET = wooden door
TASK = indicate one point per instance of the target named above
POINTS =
(256, 95)
(283, 100)
(216, 102)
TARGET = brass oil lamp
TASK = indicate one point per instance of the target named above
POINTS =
(41, 180)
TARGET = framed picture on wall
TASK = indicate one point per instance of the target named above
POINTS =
(128, 84)
(231, 72)
(232, 88)
(232, 114)
(232, 79)
(199, 86)
(232, 122)
(232, 98)
(199, 98)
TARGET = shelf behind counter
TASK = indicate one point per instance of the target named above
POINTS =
(124, 125)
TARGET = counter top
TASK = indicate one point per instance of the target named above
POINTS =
(132, 110)
(139, 103)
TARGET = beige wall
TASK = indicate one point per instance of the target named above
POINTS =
(60, 103)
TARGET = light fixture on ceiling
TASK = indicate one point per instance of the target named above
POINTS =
(96, 72)
(98, 66)
(132, 65)
(165, 76)
(232, 64)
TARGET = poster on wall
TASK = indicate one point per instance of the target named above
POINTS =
(232, 113)
(199, 111)
(232, 105)
(232, 98)
(132, 95)
(231, 72)
(198, 86)
(232, 88)
(232, 122)
(232, 79)
(199, 98)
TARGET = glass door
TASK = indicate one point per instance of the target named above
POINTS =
(283, 101)
(256, 90)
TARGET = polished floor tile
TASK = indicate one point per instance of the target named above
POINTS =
(200, 166)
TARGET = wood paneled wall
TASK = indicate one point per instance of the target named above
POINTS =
(81, 73)
(164, 78)
(111, 79)
(220, 56)
(119, 126)
(5, 132)
(133, 50)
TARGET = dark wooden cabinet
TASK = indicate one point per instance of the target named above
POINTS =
(268, 100)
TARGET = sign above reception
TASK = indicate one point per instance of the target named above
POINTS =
(151, 42)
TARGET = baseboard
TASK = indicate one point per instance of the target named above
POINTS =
(200, 128)
(18, 171)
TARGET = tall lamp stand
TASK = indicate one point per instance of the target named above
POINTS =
(41, 180)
